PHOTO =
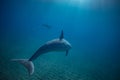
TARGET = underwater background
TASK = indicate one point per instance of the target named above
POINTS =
(92, 28)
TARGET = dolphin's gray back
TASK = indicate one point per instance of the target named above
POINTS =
(54, 45)
(41, 50)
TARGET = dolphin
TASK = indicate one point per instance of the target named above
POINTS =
(59, 44)
(47, 26)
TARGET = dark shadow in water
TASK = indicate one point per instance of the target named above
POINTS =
(46, 26)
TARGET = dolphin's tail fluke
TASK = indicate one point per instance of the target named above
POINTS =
(28, 64)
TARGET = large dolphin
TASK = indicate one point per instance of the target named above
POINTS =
(59, 44)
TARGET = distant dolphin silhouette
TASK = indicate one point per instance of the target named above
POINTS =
(47, 26)
(59, 44)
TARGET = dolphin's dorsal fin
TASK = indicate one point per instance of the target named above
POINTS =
(62, 35)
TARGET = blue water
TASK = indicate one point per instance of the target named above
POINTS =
(93, 33)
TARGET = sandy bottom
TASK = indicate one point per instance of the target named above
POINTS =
(47, 68)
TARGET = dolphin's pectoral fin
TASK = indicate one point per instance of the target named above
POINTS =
(62, 35)
(67, 52)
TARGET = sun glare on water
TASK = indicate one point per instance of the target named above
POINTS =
(80, 3)
(89, 3)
